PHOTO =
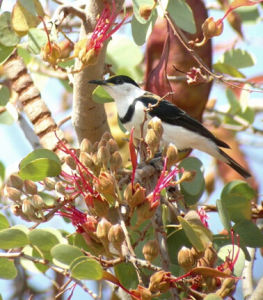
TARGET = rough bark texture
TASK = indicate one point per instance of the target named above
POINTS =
(89, 118)
(33, 105)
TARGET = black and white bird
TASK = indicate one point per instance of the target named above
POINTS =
(179, 128)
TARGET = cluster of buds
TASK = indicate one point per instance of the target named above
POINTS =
(153, 135)
(28, 204)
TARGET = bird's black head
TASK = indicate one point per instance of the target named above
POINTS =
(117, 80)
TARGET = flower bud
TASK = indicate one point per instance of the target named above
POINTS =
(196, 254)
(106, 184)
(187, 176)
(106, 136)
(49, 184)
(210, 255)
(159, 282)
(144, 212)
(51, 52)
(69, 160)
(16, 210)
(150, 250)
(60, 188)
(86, 146)
(141, 293)
(112, 146)
(30, 187)
(115, 161)
(156, 124)
(103, 156)
(211, 28)
(28, 208)
(101, 207)
(186, 258)
(152, 140)
(116, 236)
(15, 181)
(136, 197)
(38, 202)
(12, 193)
(86, 160)
(172, 155)
(103, 228)
(102, 142)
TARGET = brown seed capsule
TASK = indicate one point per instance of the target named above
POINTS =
(12, 193)
(116, 236)
(134, 197)
(196, 254)
(144, 212)
(86, 146)
(38, 202)
(69, 160)
(103, 156)
(60, 188)
(30, 187)
(101, 207)
(141, 293)
(106, 184)
(28, 208)
(150, 250)
(86, 160)
(103, 228)
(159, 282)
(156, 125)
(112, 146)
(172, 155)
(185, 258)
(15, 181)
(211, 28)
(210, 255)
(152, 140)
(115, 161)
(106, 136)
(49, 184)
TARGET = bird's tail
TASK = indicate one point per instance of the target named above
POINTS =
(234, 165)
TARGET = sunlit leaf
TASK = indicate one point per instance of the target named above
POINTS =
(249, 14)
(237, 58)
(12, 238)
(7, 269)
(127, 275)
(5, 52)
(88, 269)
(43, 239)
(8, 37)
(227, 69)
(99, 95)
(37, 38)
(63, 255)
(223, 214)
(3, 222)
(4, 95)
(212, 297)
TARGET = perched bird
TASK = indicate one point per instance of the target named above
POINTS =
(179, 128)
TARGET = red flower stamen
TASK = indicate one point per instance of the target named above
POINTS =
(203, 216)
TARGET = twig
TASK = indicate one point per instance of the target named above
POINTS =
(66, 10)
(258, 292)
(247, 282)
(63, 121)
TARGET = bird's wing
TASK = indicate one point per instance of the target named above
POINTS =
(171, 114)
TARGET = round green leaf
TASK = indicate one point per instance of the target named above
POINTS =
(39, 164)
(249, 233)
(37, 38)
(4, 95)
(127, 275)
(233, 251)
(8, 37)
(181, 13)
(237, 58)
(194, 189)
(99, 95)
(3, 222)
(87, 269)
(248, 14)
(31, 266)
(43, 239)
(226, 69)
(236, 197)
(223, 214)
(212, 297)
(5, 52)
(137, 4)
(6, 118)
(13, 238)
(141, 32)
(63, 255)
(29, 5)
(7, 269)
(25, 54)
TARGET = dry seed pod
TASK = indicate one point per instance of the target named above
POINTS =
(106, 136)
(115, 161)
(86, 160)
(15, 181)
(136, 197)
(144, 212)
(185, 258)
(28, 208)
(60, 188)
(196, 254)
(106, 184)
(112, 146)
(49, 184)
(86, 146)
(12, 193)
(69, 160)
(38, 202)
(156, 124)
(211, 28)
(103, 156)
(158, 282)
(172, 155)
(116, 236)
(210, 255)
(101, 207)
(30, 187)
(150, 250)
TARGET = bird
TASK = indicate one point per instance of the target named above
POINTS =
(180, 129)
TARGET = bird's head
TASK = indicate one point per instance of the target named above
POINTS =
(120, 87)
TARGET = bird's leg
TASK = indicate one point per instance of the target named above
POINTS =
(151, 106)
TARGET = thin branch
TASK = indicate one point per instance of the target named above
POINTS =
(258, 292)
(247, 274)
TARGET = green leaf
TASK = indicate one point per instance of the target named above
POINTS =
(99, 95)
(141, 32)
(3, 222)
(31, 266)
(191, 234)
(212, 297)
(2, 173)
(194, 189)
(88, 269)
(223, 214)
(249, 14)
(137, 4)
(37, 38)
(7, 269)
(8, 37)
(25, 54)
(39, 164)
(249, 233)
(233, 251)
(29, 5)
(43, 239)
(235, 107)
(227, 69)
(79, 241)
(6, 118)
(181, 13)
(127, 275)
(5, 52)
(63, 255)
(123, 53)
(236, 197)
(237, 58)
(4, 95)
(13, 238)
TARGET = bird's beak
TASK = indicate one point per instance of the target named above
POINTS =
(98, 82)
